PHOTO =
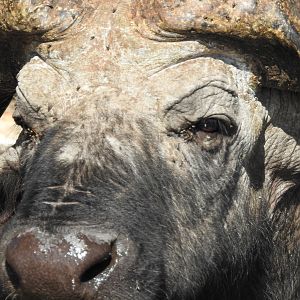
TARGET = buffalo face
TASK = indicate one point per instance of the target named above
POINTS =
(155, 161)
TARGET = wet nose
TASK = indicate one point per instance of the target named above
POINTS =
(40, 266)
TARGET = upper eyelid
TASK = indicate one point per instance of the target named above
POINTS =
(215, 98)
(224, 118)
(222, 85)
(221, 121)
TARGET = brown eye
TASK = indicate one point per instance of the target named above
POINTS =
(208, 125)
(29, 132)
(207, 133)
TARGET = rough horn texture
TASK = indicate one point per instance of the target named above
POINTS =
(262, 19)
(260, 25)
(45, 18)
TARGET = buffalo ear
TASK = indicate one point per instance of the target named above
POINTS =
(282, 166)
(282, 163)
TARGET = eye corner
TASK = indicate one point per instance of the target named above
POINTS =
(18, 120)
(29, 132)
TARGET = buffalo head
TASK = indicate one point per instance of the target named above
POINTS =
(159, 156)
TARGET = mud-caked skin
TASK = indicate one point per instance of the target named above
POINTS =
(159, 156)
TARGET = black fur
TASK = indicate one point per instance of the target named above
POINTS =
(200, 232)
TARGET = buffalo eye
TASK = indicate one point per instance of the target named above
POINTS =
(209, 133)
(208, 125)
(28, 131)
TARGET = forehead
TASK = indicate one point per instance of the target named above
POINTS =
(117, 66)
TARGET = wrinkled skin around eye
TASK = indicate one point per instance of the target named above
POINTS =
(208, 133)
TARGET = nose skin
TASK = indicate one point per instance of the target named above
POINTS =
(41, 266)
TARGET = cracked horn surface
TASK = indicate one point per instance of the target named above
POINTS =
(46, 18)
(261, 26)
(267, 19)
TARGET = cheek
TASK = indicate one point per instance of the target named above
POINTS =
(207, 151)
(208, 141)
(171, 152)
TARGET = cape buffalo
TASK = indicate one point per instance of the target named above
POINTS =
(159, 156)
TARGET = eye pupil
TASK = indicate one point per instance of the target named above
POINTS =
(209, 125)
(208, 129)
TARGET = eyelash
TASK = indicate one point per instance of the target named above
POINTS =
(208, 126)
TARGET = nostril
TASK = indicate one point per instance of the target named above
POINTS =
(97, 268)
(13, 276)
(34, 264)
